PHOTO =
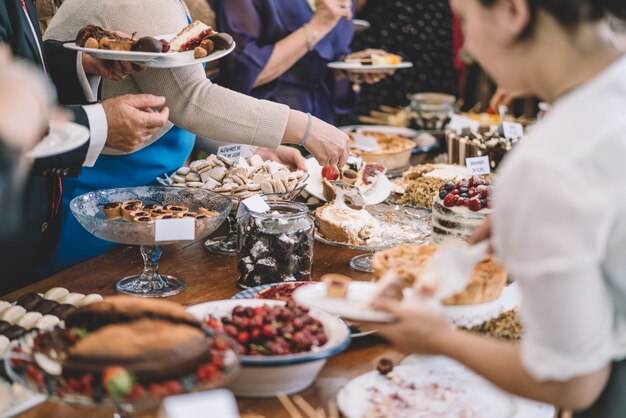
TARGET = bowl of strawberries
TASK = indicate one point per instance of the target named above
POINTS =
(282, 346)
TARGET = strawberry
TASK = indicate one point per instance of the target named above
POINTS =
(117, 381)
(330, 172)
(474, 204)
(448, 201)
(173, 387)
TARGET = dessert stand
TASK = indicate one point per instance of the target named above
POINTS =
(21, 358)
(400, 225)
(227, 244)
(150, 283)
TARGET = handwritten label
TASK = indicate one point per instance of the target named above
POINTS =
(512, 130)
(478, 166)
(252, 204)
(459, 122)
(365, 142)
(220, 402)
(232, 152)
(183, 229)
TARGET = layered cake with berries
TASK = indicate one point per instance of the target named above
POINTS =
(190, 37)
(411, 262)
(459, 209)
(469, 145)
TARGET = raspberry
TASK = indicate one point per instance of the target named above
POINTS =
(449, 200)
(464, 183)
(474, 204)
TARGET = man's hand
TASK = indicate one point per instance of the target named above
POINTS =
(289, 156)
(112, 70)
(133, 119)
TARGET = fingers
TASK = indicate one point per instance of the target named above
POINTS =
(300, 161)
(144, 101)
(155, 120)
(139, 68)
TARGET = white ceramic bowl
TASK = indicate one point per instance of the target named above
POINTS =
(266, 376)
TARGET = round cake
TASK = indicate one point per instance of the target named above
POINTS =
(459, 209)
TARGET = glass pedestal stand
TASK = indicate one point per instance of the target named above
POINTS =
(150, 283)
(225, 244)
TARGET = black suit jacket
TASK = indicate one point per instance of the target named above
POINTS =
(38, 233)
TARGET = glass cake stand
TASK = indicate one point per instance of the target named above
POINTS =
(39, 373)
(227, 244)
(400, 225)
(87, 209)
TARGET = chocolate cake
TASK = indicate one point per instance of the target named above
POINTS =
(150, 349)
(96, 32)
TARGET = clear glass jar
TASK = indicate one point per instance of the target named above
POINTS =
(276, 246)
(430, 111)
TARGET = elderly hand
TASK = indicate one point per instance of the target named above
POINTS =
(327, 14)
(418, 329)
(327, 144)
(289, 156)
(133, 119)
(112, 70)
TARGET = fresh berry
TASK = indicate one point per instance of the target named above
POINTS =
(443, 194)
(117, 381)
(455, 192)
(483, 203)
(173, 387)
(464, 183)
(463, 190)
(464, 202)
(244, 336)
(166, 45)
(464, 196)
(330, 172)
(448, 187)
(474, 204)
(449, 200)
(471, 193)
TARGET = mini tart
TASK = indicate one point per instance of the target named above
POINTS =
(143, 219)
(138, 214)
(188, 215)
(132, 202)
(177, 210)
(160, 212)
(128, 209)
(166, 216)
(349, 176)
(336, 285)
(113, 210)
(151, 207)
(201, 217)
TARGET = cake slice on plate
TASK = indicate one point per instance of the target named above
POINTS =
(341, 224)
(190, 37)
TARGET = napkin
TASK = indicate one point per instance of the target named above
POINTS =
(451, 268)
(219, 403)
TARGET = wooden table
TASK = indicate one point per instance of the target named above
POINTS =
(212, 277)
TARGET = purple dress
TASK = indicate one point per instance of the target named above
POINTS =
(309, 86)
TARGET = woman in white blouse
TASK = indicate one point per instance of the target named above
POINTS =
(559, 220)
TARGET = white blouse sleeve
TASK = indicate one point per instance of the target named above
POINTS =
(550, 227)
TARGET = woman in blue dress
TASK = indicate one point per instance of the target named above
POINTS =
(283, 48)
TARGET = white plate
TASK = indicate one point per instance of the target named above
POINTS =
(357, 67)
(360, 25)
(356, 305)
(438, 390)
(152, 59)
(525, 407)
(382, 129)
(378, 194)
(63, 137)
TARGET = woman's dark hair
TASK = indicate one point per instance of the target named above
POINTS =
(571, 13)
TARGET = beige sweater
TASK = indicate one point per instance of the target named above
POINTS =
(196, 104)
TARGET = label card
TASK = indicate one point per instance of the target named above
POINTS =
(220, 403)
(183, 229)
(365, 143)
(478, 166)
(513, 130)
(459, 122)
(252, 204)
(230, 151)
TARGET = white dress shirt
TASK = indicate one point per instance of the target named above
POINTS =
(559, 225)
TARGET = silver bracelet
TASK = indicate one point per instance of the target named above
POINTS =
(308, 130)
(309, 39)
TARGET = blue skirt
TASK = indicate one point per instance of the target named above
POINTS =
(138, 169)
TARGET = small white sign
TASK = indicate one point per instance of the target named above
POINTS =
(459, 122)
(183, 229)
(478, 166)
(253, 204)
(232, 152)
(512, 130)
(365, 142)
(220, 403)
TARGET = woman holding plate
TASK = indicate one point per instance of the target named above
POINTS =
(283, 48)
(564, 240)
